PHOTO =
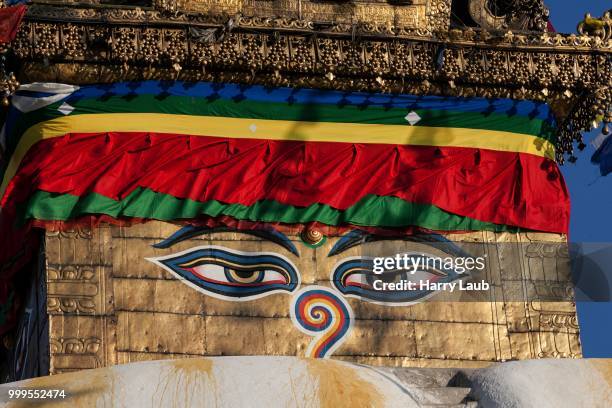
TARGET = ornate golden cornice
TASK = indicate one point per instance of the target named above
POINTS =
(572, 72)
(410, 14)
(600, 28)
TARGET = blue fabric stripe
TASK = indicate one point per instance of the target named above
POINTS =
(510, 107)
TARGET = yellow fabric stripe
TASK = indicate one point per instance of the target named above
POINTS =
(244, 128)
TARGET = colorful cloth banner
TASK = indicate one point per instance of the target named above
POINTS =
(203, 151)
(10, 20)
(305, 152)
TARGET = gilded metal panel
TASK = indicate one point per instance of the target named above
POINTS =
(474, 312)
(79, 289)
(229, 335)
(161, 332)
(108, 304)
(156, 295)
(80, 342)
(70, 247)
(214, 6)
(410, 15)
(386, 338)
(460, 341)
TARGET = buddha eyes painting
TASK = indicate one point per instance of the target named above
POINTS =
(319, 306)
(291, 203)
(230, 274)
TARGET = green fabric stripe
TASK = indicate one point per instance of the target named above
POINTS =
(372, 211)
(310, 113)
(295, 112)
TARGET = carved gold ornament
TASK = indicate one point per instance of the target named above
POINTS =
(313, 236)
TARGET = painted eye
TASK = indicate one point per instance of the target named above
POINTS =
(216, 273)
(354, 277)
(231, 275)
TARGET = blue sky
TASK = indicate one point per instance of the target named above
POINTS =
(591, 195)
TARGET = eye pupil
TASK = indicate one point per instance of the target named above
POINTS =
(245, 274)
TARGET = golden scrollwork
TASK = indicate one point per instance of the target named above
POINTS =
(75, 353)
(75, 345)
(79, 232)
(71, 289)
(516, 14)
(600, 28)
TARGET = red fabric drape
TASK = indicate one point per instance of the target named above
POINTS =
(10, 20)
(506, 188)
